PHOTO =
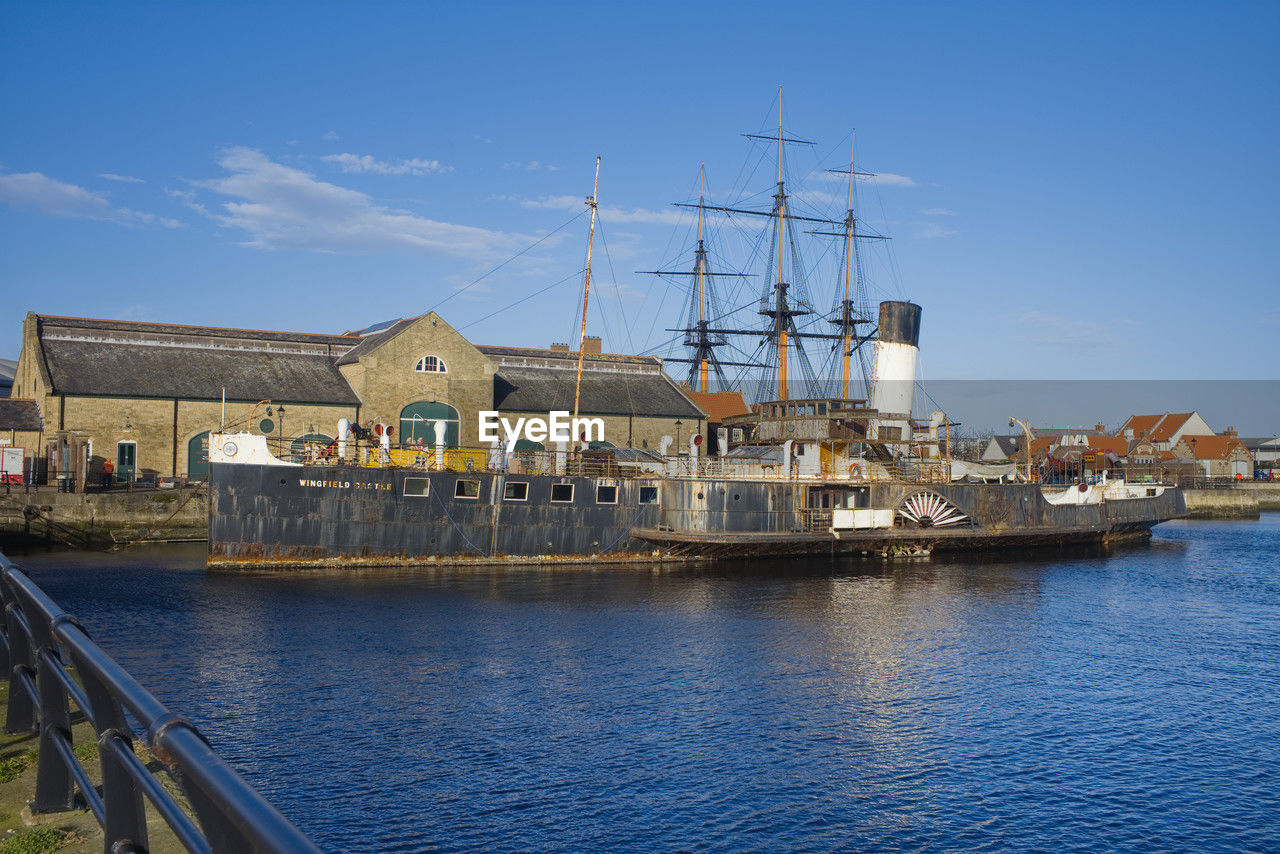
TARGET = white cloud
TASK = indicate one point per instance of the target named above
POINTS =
(38, 192)
(331, 136)
(932, 230)
(607, 213)
(937, 212)
(531, 166)
(884, 179)
(280, 207)
(126, 179)
(368, 164)
(888, 179)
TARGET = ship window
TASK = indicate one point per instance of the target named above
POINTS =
(562, 493)
(648, 495)
(822, 409)
(515, 491)
(418, 487)
(606, 494)
(430, 365)
(466, 489)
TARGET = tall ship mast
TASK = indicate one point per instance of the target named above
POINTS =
(777, 357)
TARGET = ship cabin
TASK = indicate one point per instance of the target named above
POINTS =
(833, 439)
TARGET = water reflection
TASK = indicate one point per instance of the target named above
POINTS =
(1100, 700)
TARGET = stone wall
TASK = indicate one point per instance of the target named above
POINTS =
(1229, 503)
(163, 429)
(386, 381)
(102, 520)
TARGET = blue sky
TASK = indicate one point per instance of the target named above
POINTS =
(1074, 190)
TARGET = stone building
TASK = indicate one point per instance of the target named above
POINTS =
(1214, 456)
(146, 395)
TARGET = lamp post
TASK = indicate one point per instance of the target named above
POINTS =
(679, 424)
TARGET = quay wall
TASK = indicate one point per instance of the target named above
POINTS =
(1232, 503)
(100, 519)
(1268, 494)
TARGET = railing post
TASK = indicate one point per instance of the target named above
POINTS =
(21, 714)
(125, 824)
(55, 788)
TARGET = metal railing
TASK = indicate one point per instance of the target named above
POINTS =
(42, 647)
(601, 464)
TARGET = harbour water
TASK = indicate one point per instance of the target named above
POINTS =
(1078, 701)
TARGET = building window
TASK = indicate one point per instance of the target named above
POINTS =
(562, 493)
(466, 489)
(417, 487)
(648, 495)
(430, 365)
(606, 494)
(515, 491)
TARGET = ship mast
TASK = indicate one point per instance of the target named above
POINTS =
(586, 290)
(848, 270)
(780, 208)
(699, 336)
(702, 302)
(853, 310)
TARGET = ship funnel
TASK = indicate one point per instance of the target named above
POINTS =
(894, 376)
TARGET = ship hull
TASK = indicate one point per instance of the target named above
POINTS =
(323, 516)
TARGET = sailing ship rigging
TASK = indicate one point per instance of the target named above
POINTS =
(792, 328)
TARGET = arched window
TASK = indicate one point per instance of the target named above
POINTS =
(430, 365)
(418, 423)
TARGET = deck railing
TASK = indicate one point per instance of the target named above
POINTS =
(604, 465)
(51, 663)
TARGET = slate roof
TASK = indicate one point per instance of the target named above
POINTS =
(162, 360)
(542, 389)
(18, 413)
(376, 339)
(8, 369)
(49, 322)
(1008, 445)
(570, 356)
(127, 370)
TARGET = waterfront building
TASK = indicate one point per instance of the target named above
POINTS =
(1164, 430)
(147, 395)
(1224, 456)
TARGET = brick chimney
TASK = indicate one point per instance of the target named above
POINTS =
(1231, 433)
(560, 348)
(1100, 428)
(591, 344)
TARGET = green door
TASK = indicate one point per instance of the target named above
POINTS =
(126, 461)
(198, 457)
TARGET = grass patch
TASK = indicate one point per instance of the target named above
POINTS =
(12, 768)
(37, 840)
(86, 751)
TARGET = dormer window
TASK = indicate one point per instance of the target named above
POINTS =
(430, 365)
